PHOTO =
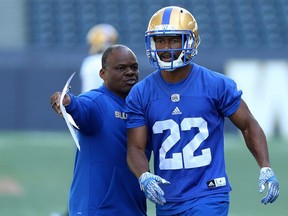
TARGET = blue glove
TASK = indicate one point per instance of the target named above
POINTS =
(149, 184)
(267, 178)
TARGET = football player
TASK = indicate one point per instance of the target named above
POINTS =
(99, 37)
(179, 111)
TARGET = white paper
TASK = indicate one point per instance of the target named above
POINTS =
(67, 117)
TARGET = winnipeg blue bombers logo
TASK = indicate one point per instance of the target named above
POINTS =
(175, 97)
(121, 115)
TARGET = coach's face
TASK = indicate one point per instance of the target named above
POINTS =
(121, 72)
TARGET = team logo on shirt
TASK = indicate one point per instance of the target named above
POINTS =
(121, 115)
(175, 97)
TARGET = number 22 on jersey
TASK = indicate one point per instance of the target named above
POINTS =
(185, 159)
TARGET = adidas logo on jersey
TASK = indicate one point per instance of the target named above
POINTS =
(218, 182)
(176, 111)
(211, 184)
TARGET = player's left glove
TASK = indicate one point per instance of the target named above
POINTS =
(149, 184)
(268, 178)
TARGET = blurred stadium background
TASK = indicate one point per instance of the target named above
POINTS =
(42, 42)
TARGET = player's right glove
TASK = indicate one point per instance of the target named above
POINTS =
(149, 184)
(268, 178)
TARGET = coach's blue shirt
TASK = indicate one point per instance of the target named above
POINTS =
(185, 123)
(102, 182)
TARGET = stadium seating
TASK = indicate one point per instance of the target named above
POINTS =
(222, 23)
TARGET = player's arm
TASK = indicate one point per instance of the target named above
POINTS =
(253, 134)
(256, 142)
(136, 157)
(139, 165)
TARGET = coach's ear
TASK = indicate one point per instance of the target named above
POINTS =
(102, 74)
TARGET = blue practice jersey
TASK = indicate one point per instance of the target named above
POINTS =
(102, 182)
(185, 123)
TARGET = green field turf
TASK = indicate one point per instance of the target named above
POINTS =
(36, 169)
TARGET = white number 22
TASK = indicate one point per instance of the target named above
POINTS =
(189, 160)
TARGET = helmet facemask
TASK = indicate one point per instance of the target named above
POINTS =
(188, 52)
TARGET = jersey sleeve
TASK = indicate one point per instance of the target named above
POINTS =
(230, 99)
(135, 108)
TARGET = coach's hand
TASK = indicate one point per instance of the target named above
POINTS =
(149, 184)
(55, 102)
(267, 178)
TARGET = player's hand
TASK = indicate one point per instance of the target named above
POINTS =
(268, 178)
(149, 184)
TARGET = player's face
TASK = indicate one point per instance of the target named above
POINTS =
(122, 71)
(168, 42)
